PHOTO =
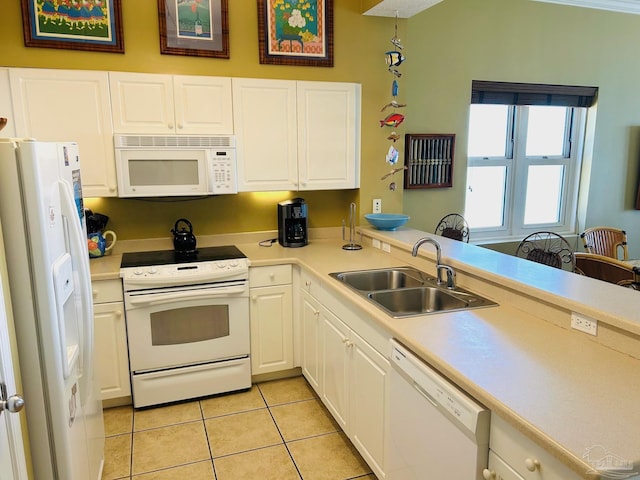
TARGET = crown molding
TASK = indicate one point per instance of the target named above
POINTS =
(408, 8)
(623, 6)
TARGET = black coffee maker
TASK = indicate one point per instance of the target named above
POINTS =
(292, 223)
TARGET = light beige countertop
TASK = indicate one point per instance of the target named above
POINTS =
(564, 389)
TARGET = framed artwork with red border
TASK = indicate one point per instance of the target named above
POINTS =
(198, 28)
(293, 32)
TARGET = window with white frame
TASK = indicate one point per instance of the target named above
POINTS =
(523, 163)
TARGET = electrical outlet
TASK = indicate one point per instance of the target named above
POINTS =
(386, 247)
(377, 205)
(584, 324)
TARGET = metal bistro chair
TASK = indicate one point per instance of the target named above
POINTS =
(608, 269)
(547, 248)
(607, 241)
(453, 226)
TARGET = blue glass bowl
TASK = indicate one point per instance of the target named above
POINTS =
(386, 221)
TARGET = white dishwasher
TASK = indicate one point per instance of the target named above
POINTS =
(437, 432)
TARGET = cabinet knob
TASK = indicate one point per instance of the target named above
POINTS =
(180, 126)
(272, 276)
(532, 464)
(254, 298)
(307, 283)
(118, 314)
(170, 126)
(94, 292)
(488, 474)
(112, 188)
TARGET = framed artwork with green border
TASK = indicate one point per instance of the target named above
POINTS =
(198, 28)
(94, 25)
(293, 32)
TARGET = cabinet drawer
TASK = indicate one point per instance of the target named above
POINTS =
(312, 285)
(268, 276)
(527, 458)
(107, 291)
(499, 470)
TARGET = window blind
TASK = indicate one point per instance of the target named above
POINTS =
(507, 93)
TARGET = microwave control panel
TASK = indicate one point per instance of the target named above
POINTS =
(222, 172)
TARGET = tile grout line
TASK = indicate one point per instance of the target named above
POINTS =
(131, 448)
(295, 465)
(206, 435)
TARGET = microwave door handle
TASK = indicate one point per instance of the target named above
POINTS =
(162, 298)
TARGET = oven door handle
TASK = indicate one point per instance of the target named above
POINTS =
(162, 298)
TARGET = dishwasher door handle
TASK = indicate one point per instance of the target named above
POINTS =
(424, 393)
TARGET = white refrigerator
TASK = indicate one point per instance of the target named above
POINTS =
(42, 215)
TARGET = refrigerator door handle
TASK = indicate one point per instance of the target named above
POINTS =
(79, 253)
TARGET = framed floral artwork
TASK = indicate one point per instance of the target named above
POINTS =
(197, 28)
(88, 25)
(292, 32)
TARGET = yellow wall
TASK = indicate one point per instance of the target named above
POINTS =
(457, 41)
(360, 43)
(446, 46)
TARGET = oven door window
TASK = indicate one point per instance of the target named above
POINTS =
(189, 325)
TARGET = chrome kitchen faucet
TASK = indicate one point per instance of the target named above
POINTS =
(451, 273)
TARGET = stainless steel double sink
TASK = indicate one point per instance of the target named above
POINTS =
(407, 292)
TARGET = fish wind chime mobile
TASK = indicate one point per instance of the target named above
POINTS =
(394, 59)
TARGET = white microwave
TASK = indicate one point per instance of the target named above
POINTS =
(175, 165)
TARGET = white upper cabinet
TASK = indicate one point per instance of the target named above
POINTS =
(6, 110)
(264, 113)
(203, 105)
(145, 103)
(69, 105)
(296, 135)
(328, 135)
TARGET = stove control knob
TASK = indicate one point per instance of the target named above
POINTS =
(233, 263)
(138, 271)
(221, 264)
(153, 270)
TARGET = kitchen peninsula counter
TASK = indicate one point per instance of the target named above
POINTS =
(564, 389)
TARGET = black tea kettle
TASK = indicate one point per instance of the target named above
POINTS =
(184, 241)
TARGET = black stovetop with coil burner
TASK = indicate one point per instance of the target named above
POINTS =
(170, 257)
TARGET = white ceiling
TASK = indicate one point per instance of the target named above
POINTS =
(408, 8)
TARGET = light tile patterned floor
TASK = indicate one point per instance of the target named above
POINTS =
(278, 430)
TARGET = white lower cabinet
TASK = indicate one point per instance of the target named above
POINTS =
(271, 319)
(369, 376)
(513, 456)
(311, 341)
(110, 340)
(349, 375)
(336, 353)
